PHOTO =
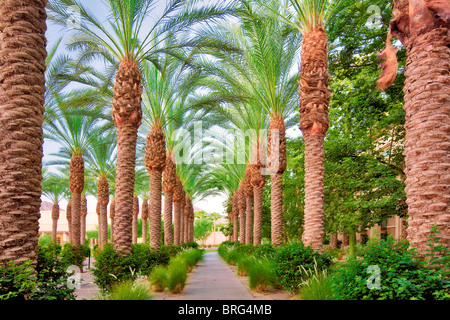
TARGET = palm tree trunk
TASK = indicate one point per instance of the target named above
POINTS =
(427, 147)
(276, 145)
(314, 100)
(144, 214)
(112, 215)
(258, 198)
(83, 214)
(127, 116)
(249, 221)
(69, 218)
(103, 200)
(104, 224)
(176, 215)
(55, 217)
(99, 224)
(155, 208)
(76, 223)
(276, 208)
(422, 27)
(168, 236)
(135, 218)
(22, 87)
(182, 221)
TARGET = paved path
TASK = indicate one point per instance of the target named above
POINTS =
(214, 280)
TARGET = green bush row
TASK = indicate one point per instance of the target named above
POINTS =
(382, 269)
(111, 267)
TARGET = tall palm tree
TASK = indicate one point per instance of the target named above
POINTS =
(74, 132)
(124, 46)
(311, 18)
(422, 27)
(100, 158)
(22, 87)
(55, 188)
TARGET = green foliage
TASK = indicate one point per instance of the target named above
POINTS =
(52, 276)
(17, 282)
(203, 228)
(128, 290)
(260, 274)
(316, 286)
(45, 239)
(176, 274)
(290, 260)
(71, 255)
(48, 280)
(267, 251)
(111, 267)
(402, 275)
(158, 279)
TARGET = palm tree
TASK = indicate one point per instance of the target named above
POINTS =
(100, 158)
(311, 18)
(123, 47)
(22, 67)
(74, 132)
(422, 27)
(55, 188)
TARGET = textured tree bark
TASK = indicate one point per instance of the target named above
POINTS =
(126, 148)
(144, 214)
(276, 207)
(154, 208)
(241, 205)
(258, 197)
(69, 218)
(135, 218)
(168, 236)
(83, 214)
(423, 28)
(102, 201)
(55, 217)
(22, 87)
(249, 221)
(314, 101)
(76, 223)
(176, 216)
(314, 201)
(112, 215)
(127, 114)
(182, 222)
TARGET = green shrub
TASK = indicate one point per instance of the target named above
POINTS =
(316, 287)
(233, 256)
(128, 290)
(244, 264)
(17, 281)
(111, 267)
(158, 279)
(176, 274)
(192, 257)
(52, 276)
(71, 255)
(387, 270)
(260, 275)
(267, 251)
(288, 262)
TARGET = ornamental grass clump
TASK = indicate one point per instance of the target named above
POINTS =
(260, 275)
(158, 279)
(176, 275)
(128, 290)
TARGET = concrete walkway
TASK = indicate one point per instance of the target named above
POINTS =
(214, 280)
